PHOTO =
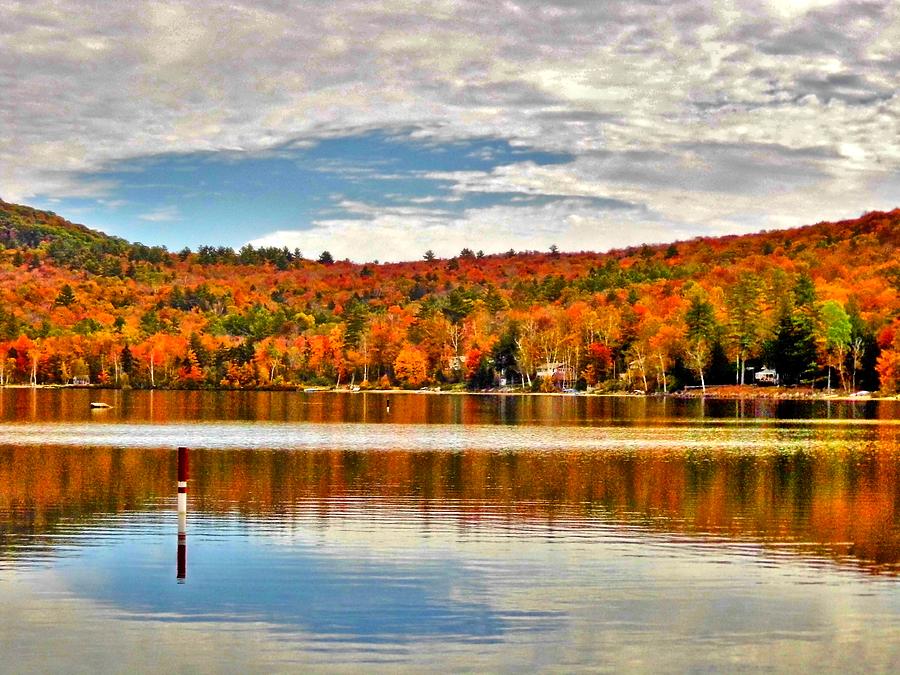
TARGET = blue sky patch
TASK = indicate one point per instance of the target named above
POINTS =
(229, 198)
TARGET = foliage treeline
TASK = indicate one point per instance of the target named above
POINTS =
(820, 304)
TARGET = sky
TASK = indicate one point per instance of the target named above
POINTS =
(379, 130)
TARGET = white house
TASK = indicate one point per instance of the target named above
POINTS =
(766, 376)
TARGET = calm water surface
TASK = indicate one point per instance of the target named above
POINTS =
(463, 533)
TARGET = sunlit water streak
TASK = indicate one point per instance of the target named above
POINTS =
(425, 437)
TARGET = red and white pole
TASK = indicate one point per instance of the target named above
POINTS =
(183, 469)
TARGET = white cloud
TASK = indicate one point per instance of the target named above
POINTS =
(161, 215)
(655, 106)
(391, 235)
(792, 8)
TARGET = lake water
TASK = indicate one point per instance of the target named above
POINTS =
(449, 533)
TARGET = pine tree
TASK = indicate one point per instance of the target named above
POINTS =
(66, 296)
(127, 360)
(792, 351)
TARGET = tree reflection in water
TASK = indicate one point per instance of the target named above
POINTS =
(839, 501)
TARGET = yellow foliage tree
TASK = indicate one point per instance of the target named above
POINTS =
(411, 366)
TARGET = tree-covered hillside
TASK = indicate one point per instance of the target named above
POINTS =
(818, 304)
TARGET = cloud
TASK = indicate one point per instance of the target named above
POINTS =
(693, 116)
(161, 215)
(405, 233)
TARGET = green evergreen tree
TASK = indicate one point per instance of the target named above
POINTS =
(66, 296)
(204, 358)
(355, 314)
(702, 333)
(127, 360)
(743, 302)
(792, 350)
(504, 352)
(805, 293)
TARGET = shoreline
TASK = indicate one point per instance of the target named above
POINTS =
(713, 392)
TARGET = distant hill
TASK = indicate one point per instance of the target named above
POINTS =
(25, 227)
(65, 243)
(814, 302)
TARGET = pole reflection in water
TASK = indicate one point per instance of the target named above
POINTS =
(181, 573)
(183, 460)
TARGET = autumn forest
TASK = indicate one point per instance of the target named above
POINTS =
(818, 305)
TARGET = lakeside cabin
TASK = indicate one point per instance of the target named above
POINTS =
(559, 373)
(766, 377)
